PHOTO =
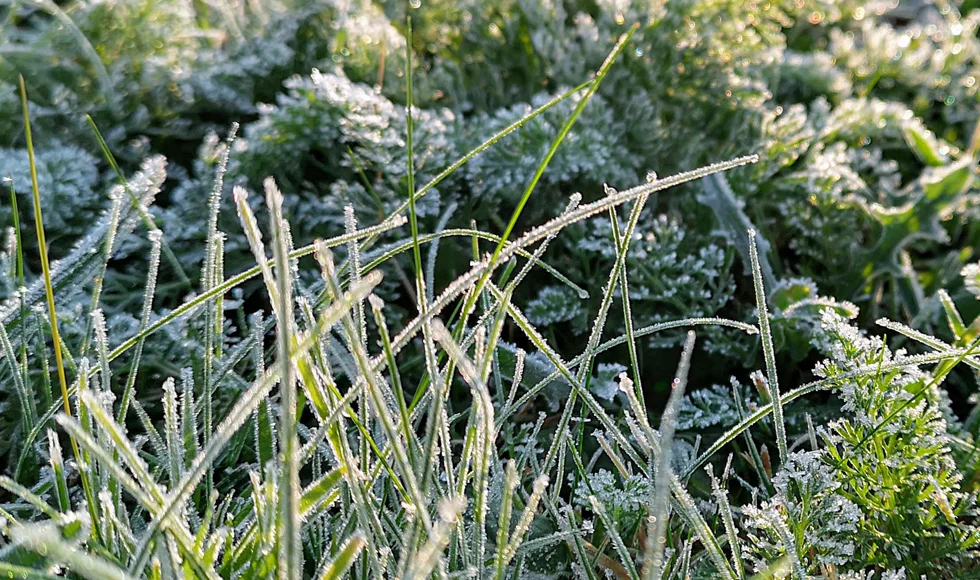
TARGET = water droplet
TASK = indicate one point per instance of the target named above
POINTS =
(583, 294)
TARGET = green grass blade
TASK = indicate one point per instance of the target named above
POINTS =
(290, 550)
(725, 509)
(15, 571)
(559, 138)
(243, 408)
(768, 350)
(410, 129)
(503, 526)
(43, 248)
(624, 290)
(492, 140)
(336, 568)
(49, 290)
(21, 284)
(146, 216)
(24, 395)
(317, 494)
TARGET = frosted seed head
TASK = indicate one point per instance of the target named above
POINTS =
(376, 302)
(350, 220)
(625, 383)
(540, 484)
(451, 508)
(240, 194)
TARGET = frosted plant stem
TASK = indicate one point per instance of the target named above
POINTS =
(26, 398)
(653, 560)
(290, 550)
(768, 350)
(396, 442)
(624, 290)
(151, 283)
(612, 343)
(725, 509)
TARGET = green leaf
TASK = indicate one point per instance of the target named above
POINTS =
(923, 143)
(950, 181)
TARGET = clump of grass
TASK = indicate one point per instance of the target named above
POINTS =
(369, 450)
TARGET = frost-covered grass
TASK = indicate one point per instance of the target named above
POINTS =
(402, 321)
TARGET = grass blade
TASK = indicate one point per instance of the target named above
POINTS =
(336, 568)
(768, 350)
(290, 551)
(658, 524)
(43, 249)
